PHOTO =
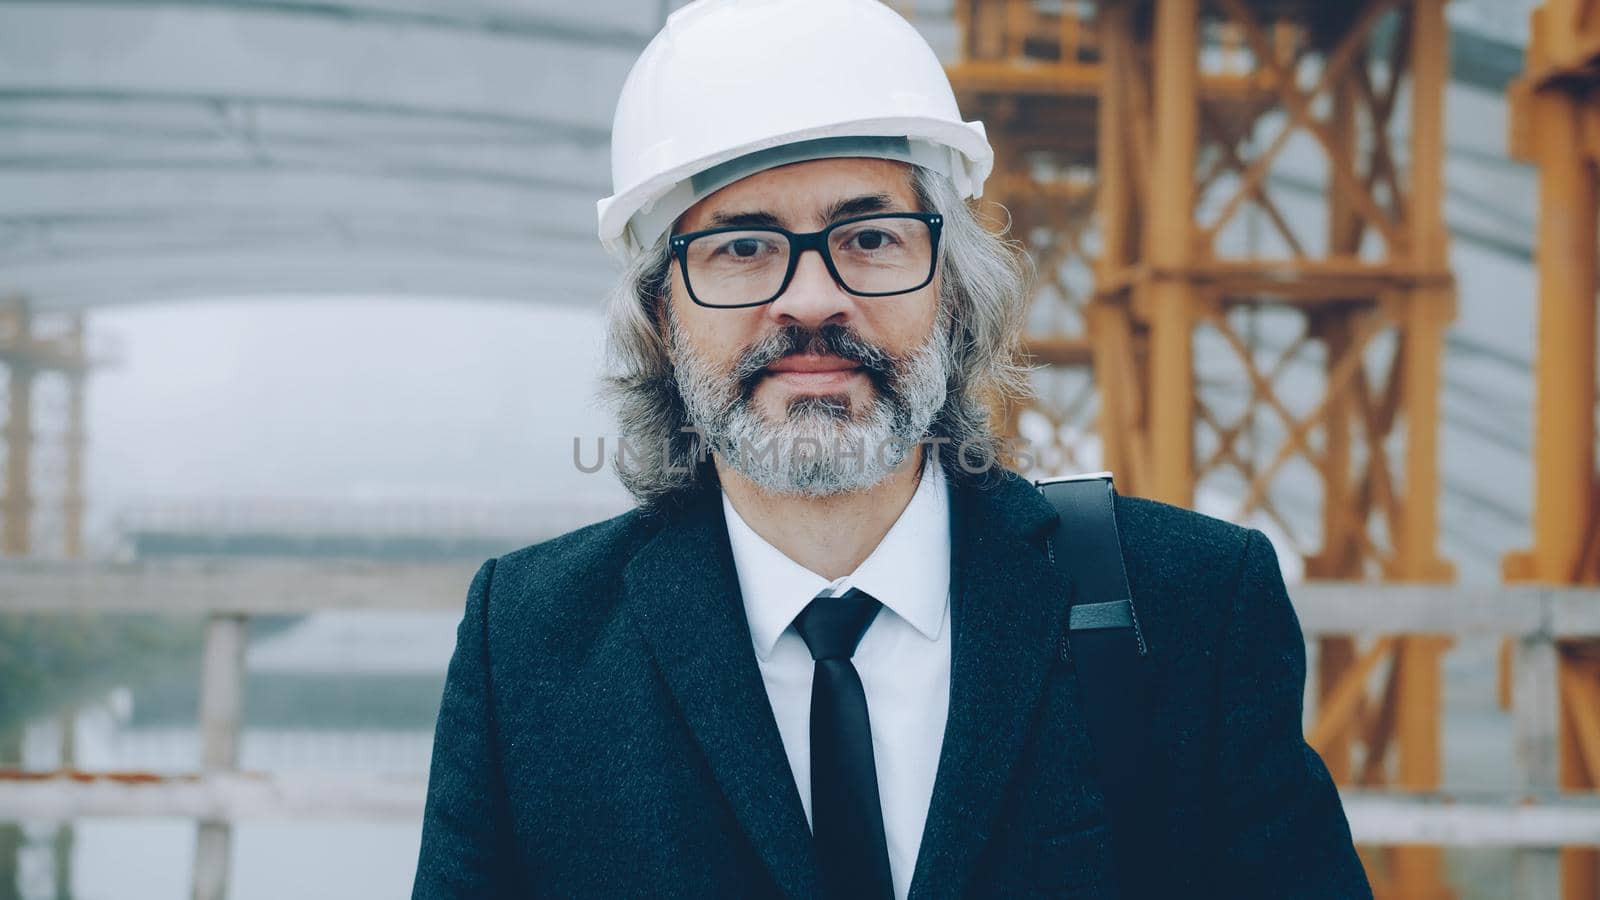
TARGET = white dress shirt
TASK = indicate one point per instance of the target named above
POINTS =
(903, 659)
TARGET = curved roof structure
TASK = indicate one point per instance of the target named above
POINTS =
(185, 149)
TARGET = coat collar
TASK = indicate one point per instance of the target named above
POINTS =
(1008, 611)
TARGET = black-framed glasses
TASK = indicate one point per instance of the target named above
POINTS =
(877, 255)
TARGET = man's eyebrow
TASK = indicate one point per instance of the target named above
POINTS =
(748, 219)
(839, 209)
(856, 206)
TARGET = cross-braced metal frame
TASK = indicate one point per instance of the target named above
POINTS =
(1204, 110)
(1032, 74)
(28, 354)
(1555, 124)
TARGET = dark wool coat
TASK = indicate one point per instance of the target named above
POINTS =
(605, 732)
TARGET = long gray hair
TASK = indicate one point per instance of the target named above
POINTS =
(983, 293)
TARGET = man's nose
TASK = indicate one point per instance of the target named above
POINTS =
(812, 297)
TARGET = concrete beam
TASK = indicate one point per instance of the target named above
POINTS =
(1375, 818)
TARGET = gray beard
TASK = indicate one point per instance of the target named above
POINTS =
(822, 448)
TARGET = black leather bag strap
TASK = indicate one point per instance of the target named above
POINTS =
(1105, 643)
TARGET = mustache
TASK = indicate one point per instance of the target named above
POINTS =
(829, 340)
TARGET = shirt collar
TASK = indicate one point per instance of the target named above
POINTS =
(908, 572)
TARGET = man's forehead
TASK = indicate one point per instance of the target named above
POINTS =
(812, 191)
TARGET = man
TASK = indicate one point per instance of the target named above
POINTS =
(826, 655)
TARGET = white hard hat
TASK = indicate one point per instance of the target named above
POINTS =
(731, 87)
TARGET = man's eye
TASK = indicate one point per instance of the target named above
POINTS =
(871, 239)
(744, 248)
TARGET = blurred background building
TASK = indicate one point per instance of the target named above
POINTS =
(308, 293)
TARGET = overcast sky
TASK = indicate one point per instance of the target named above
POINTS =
(346, 398)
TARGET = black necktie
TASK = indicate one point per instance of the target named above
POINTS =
(846, 818)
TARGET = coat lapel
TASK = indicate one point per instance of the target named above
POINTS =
(683, 591)
(1009, 606)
